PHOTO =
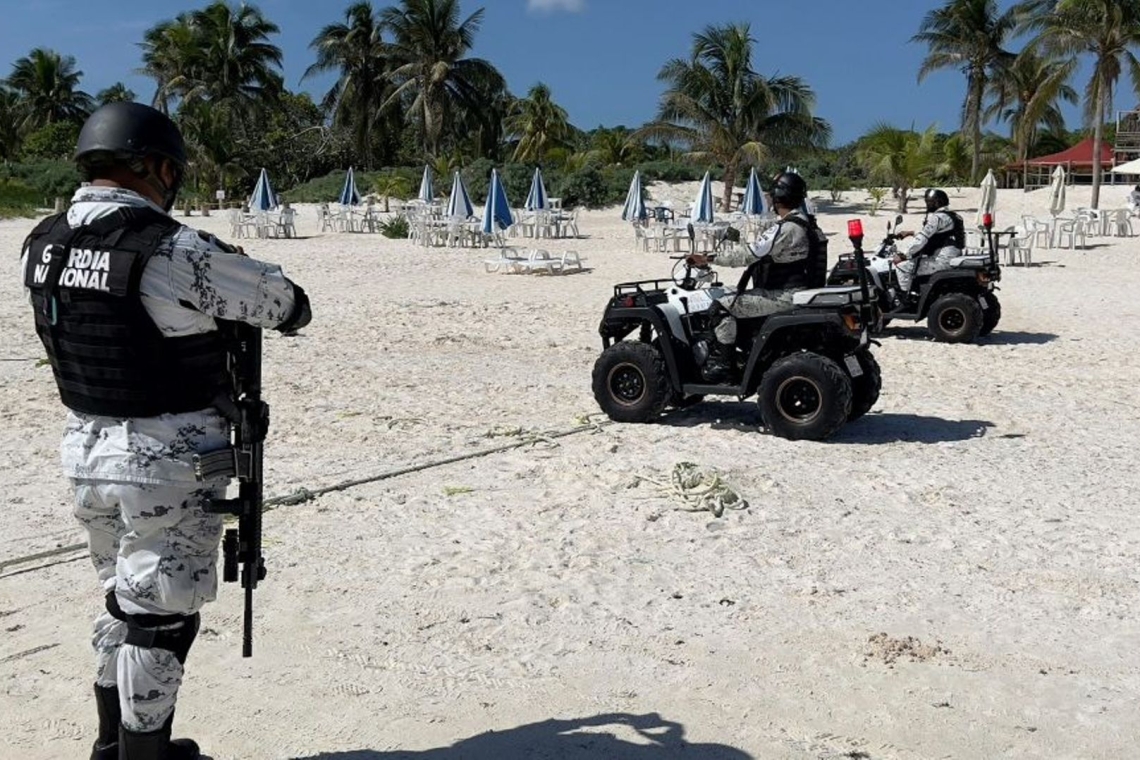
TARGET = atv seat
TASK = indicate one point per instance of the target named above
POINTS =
(970, 262)
(827, 297)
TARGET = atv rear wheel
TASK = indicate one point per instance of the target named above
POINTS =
(805, 396)
(865, 388)
(991, 315)
(630, 382)
(955, 318)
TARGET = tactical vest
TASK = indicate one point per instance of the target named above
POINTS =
(953, 237)
(810, 272)
(108, 356)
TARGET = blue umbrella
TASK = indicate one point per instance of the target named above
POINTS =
(536, 200)
(634, 209)
(754, 203)
(703, 208)
(427, 188)
(263, 198)
(459, 206)
(349, 196)
(497, 211)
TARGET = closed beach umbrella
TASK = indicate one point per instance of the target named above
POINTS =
(703, 207)
(754, 203)
(536, 198)
(989, 198)
(427, 188)
(263, 198)
(498, 210)
(349, 195)
(634, 209)
(1057, 192)
(459, 205)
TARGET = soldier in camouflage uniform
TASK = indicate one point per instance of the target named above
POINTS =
(126, 301)
(790, 256)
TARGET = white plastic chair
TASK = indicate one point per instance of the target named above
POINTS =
(286, 226)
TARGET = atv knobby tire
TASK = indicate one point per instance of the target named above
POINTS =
(955, 318)
(630, 382)
(805, 396)
(991, 315)
(865, 388)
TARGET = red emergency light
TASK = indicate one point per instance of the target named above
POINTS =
(855, 229)
(988, 221)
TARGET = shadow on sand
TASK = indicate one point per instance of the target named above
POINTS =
(887, 427)
(998, 337)
(580, 739)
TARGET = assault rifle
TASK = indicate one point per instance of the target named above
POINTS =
(249, 416)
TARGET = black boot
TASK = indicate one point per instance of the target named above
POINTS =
(107, 703)
(155, 745)
(718, 366)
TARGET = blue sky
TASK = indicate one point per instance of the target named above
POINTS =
(600, 57)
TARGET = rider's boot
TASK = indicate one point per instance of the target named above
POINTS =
(718, 367)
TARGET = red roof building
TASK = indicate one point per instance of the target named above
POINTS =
(1080, 156)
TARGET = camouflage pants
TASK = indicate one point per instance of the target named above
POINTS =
(750, 305)
(904, 270)
(157, 549)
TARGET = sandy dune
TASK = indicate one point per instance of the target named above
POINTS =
(953, 576)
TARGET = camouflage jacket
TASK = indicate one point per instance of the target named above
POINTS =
(186, 284)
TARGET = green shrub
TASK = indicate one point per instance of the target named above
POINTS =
(671, 171)
(396, 228)
(839, 184)
(877, 195)
(17, 199)
(54, 142)
(585, 187)
(50, 179)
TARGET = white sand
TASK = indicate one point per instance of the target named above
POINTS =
(987, 508)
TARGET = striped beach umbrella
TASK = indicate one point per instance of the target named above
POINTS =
(263, 198)
(427, 186)
(536, 199)
(703, 206)
(349, 195)
(634, 209)
(754, 203)
(459, 205)
(498, 210)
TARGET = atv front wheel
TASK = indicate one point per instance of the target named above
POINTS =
(865, 388)
(805, 396)
(630, 382)
(991, 315)
(955, 318)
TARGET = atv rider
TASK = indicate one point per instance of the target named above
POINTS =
(941, 239)
(789, 257)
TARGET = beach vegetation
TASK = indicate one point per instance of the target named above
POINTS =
(901, 159)
(396, 228)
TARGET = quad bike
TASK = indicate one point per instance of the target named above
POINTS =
(959, 304)
(811, 368)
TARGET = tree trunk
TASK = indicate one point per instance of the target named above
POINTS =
(1098, 140)
(978, 86)
(904, 198)
(729, 183)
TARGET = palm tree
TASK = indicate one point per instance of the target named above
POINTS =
(1107, 30)
(616, 146)
(432, 75)
(727, 113)
(10, 118)
(902, 159)
(539, 124)
(969, 35)
(1026, 95)
(116, 93)
(47, 86)
(357, 52)
(217, 53)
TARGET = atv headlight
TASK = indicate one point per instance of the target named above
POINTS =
(983, 278)
(852, 322)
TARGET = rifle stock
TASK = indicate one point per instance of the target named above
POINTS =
(241, 547)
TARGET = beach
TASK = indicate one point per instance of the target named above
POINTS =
(955, 575)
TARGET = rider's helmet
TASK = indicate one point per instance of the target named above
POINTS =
(124, 134)
(789, 189)
(936, 199)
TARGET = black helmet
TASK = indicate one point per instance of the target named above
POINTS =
(789, 190)
(936, 199)
(130, 130)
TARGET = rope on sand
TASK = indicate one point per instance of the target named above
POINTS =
(699, 490)
(586, 423)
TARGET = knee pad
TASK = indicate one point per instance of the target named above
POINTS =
(174, 633)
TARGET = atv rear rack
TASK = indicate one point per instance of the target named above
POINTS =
(631, 288)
